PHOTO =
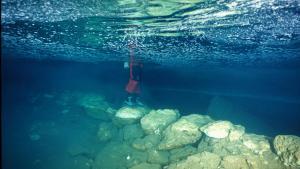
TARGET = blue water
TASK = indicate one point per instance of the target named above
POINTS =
(231, 60)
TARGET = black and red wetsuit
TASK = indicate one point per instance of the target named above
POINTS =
(135, 72)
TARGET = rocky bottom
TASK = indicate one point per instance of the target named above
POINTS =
(143, 138)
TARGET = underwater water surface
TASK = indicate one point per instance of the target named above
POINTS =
(234, 64)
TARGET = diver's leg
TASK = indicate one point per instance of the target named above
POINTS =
(138, 100)
(129, 100)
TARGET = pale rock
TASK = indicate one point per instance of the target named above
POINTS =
(288, 149)
(222, 147)
(234, 162)
(158, 157)
(183, 132)
(95, 106)
(106, 131)
(132, 131)
(203, 160)
(157, 120)
(181, 153)
(217, 129)
(236, 133)
(116, 155)
(258, 144)
(129, 115)
(146, 166)
(146, 143)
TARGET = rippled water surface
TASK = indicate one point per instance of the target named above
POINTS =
(240, 32)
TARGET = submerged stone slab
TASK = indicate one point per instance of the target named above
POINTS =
(157, 120)
(185, 131)
(288, 149)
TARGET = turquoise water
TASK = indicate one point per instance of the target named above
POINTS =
(231, 60)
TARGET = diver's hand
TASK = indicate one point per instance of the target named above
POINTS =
(126, 65)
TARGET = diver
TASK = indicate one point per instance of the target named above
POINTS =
(133, 86)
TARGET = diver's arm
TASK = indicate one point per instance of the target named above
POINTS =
(126, 65)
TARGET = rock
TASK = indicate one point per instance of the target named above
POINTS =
(258, 162)
(199, 120)
(223, 129)
(288, 149)
(119, 155)
(106, 131)
(204, 160)
(157, 120)
(146, 166)
(234, 154)
(81, 162)
(234, 162)
(95, 106)
(185, 131)
(129, 115)
(158, 157)
(146, 143)
(132, 132)
(181, 153)
(217, 129)
(236, 133)
(222, 147)
(258, 144)
(78, 149)
(249, 144)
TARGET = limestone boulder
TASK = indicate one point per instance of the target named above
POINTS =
(157, 120)
(236, 133)
(247, 144)
(78, 149)
(222, 147)
(234, 162)
(203, 160)
(146, 166)
(217, 129)
(288, 149)
(158, 157)
(95, 106)
(106, 132)
(258, 144)
(198, 119)
(181, 153)
(132, 132)
(116, 155)
(129, 115)
(264, 162)
(146, 143)
(183, 132)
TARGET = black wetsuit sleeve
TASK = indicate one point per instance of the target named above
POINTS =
(137, 72)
